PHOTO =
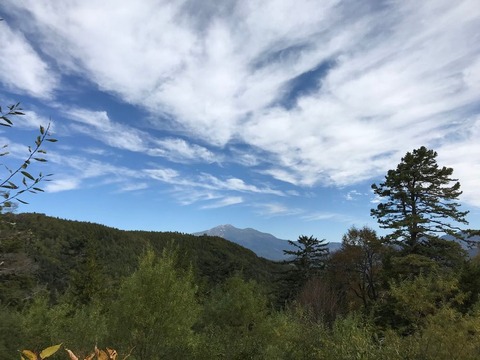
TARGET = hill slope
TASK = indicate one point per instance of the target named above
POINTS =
(39, 250)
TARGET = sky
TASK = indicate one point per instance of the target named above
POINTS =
(276, 115)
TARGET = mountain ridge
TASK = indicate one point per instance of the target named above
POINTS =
(261, 243)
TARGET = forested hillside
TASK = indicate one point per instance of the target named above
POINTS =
(56, 253)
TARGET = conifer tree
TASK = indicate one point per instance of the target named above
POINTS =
(310, 255)
(420, 201)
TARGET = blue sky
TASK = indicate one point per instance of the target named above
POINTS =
(276, 115)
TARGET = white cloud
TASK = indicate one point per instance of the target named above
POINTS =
(331, 216)
(401, 76)
(21, 68)
(180, 150)
(462, 156)
(98, 124)
(231, 200)
(165, 175)
(208, 182)
(64, 184)
(133, 186)
(352, 195)
(277, 209)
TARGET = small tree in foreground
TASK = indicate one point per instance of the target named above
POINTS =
(17, 180)
(420, 200)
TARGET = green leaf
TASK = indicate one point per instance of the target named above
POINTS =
(49, 351)
(42, 130)
(26, 174)
(7, 120)
(40, 159)
(52, 140)
(10, 186)
(29, 354)
(21, 201)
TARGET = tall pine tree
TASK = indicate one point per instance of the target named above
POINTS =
(420, 201)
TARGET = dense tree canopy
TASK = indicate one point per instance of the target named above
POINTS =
(419, 200)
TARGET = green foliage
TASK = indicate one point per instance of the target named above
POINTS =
(419, 200)
(155, 310)
(17, 180)
(469, 280)
(447, 335)
(409, 303)
(351, 338)
(12, 335)
(234, 320)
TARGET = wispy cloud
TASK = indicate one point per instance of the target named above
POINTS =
(98, 125)
(208, 181)
(135, 186)
(231, 200)
(277, 209)
(62, 184)
(179, 150)
(392, 78)
(352, 195)
(331, 216)
(21, 68)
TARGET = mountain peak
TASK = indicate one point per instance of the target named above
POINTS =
(224, 226)
(263, 244)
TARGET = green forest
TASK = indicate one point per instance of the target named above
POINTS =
(156, 295)
(409, 294)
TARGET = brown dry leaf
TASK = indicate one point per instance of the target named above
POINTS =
(102, 355)
(71, 354)
(112, 353)
(90, 357)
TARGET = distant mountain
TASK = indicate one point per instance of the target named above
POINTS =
(472, 249)
(263, 244)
